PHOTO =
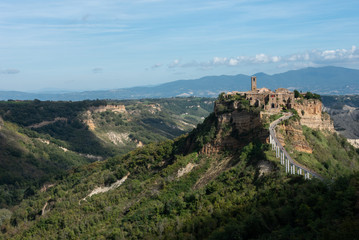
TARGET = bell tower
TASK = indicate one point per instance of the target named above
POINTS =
(253, 83)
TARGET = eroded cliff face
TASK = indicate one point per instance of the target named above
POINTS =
(311, 115)
(112, 108)
(236, 126)
(293, 132)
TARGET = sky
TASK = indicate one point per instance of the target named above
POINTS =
(77, 45)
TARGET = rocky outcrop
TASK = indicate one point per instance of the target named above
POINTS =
(188, 168)
(118, 138)
(264, 167)
(310, 112)
(236, 126)
(354, 142)
(239, 123)
(106, 189)
(295, 134)
(112, 108)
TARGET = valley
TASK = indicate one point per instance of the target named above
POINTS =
(220, 180)
(150, 173)
(41, 141)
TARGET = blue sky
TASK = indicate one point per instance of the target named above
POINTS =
(106, 44)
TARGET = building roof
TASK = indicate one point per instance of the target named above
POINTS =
(282, 90)
(263, 90)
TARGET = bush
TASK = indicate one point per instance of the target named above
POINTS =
(109, 179)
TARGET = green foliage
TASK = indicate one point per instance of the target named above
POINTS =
(310, 95)
(155, 203)
(5, 214)
(204, 133)
(31, 157)
(332, 155)
(220, 196)
(297, 94)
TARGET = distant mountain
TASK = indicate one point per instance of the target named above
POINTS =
(323, 80)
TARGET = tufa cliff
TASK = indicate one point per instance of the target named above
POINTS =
(311, 115)
(242, 117)
(234, 124)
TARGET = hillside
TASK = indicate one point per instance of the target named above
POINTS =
(27, 163)
(344, 110)
(322, 80)
(221, 181)
(40, 141)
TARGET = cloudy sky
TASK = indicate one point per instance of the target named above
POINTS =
(106, 44)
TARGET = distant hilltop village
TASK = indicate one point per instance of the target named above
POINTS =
(265, 98)
(307, 105)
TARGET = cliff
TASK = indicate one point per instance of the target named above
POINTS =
(311, 115)
(293, 132)
(236, 124)
(112, 108)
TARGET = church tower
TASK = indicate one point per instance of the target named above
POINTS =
(253, 83)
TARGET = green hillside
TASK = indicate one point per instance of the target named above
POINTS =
(40, 141)
(29, 162)
(171, 190)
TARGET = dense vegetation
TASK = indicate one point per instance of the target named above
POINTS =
(33, 156)
(307, 95)
(173, 192)
(337, 102)
(332, 155)
(155, 203)
(143, 125)
(27, 163)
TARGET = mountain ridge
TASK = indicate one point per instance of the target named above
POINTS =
(322, 80)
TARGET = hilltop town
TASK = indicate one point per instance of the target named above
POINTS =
(266, 99)
(307, 105)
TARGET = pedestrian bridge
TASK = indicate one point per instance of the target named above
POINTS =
(291, 166)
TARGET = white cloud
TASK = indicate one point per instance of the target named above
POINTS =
(275, 59)
(233, 62)
(219, 60)
(309, 58)
(261, 58)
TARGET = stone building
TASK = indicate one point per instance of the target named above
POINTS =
(265, 98)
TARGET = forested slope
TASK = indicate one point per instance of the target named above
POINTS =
(40, 141)
(173, 190)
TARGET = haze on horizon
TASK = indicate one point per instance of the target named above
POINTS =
(105, 44)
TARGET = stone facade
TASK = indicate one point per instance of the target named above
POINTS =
(309, 110)
(265, 98)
